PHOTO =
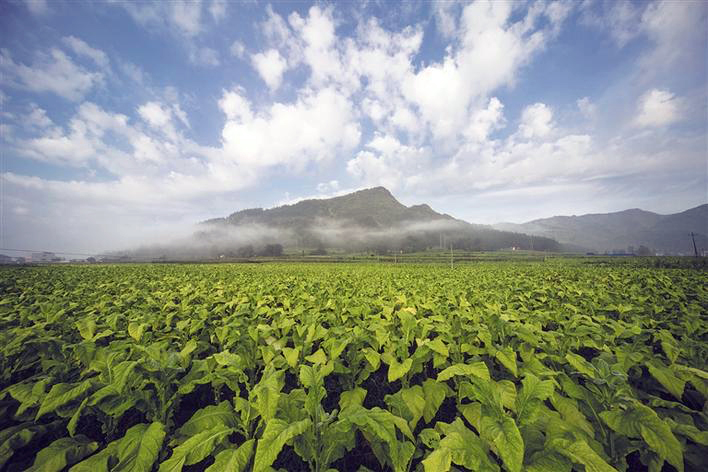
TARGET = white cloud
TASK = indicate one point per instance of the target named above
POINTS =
(82, 49)
(187, 16)
(235, 106)
(621, 19)
(445, 13)
(51, 72)
(270, 65)
(155, 115)
(317, 32)
(37, 117)
(237, 49)
(317, 127)
(37, 7)
(204, 56)
(485, 120)
(388, 162)
(658, 108)
(678, 32)
(536, 121)
(217, 9)
(328, 187)
(492, 48)
(587, 107)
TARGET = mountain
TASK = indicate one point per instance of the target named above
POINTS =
(601, 232)
(371, 208)
(370, 219)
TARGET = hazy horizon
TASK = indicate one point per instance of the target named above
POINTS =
(124, 124)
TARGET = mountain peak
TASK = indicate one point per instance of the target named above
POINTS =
(374, 191)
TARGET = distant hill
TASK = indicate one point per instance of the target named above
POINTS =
(371, 208)
(612, 231)
(370, 219)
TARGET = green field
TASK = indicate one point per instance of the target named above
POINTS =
(492, 366)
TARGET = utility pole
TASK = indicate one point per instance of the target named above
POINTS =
(695, 250)
(451, 258)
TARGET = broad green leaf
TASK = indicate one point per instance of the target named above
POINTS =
(666, 378)
(507, 357)
(504, 434)
(73, 422)
(209, 417)
(477, 369)
(642, 421)
(372, 357)
(669, 345)
(136, 330)
(430, 438)
(466, 447)
(580, 365)
(61, 394)
(29, 395)
(196, 448)
(548, 461)
(87, 328)
(438, 346)
(309, 376)
(97, 462)
(396, 370)
(581, 453)
(434, 393)
(440, 460)
(267, 397)
(319, 357)
(414, 400)
(62, 453)
(533, 393)
(472, 412)
(275, 435)
(352, 398)
(571, 414)
(234, 459)
(226, 358)
(19, 436)
(291, 355)
(138, 449)
(377, 421)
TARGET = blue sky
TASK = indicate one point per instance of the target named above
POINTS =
(127, 122)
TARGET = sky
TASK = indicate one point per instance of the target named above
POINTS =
(123, 123)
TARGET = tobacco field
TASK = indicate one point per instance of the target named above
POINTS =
(539, 367)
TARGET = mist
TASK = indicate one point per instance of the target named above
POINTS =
(224, 241)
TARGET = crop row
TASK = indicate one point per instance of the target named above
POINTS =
(537, 367)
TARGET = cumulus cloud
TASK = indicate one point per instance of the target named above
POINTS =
(51, 71)
(237, 49)
(536, 121)
(204, 56)
(363, 104)
(37, 7)
(658, 108)
(314, 128)
(187, 16)
(620, 19)
(80, 48)
(270, 65)
(586, 107)
(677, 30)
(492, 48)
(388, 162)
(217, 9)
